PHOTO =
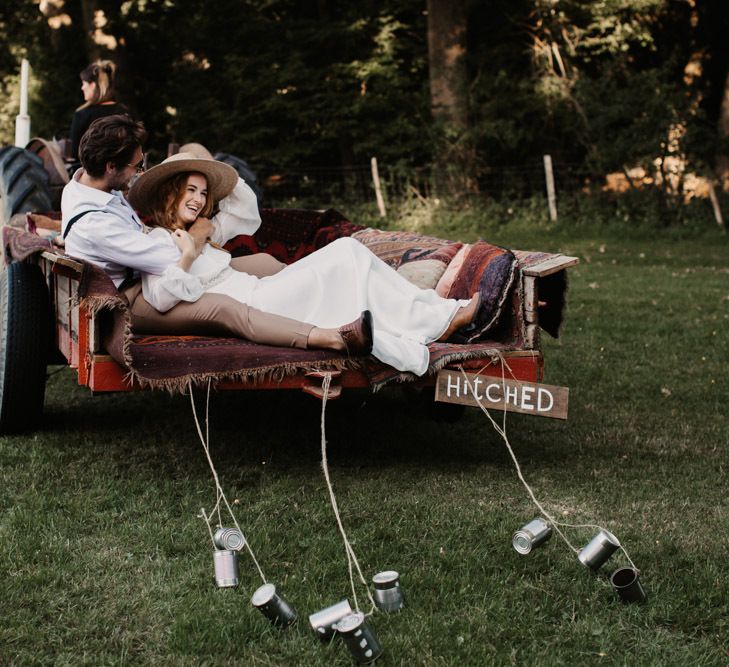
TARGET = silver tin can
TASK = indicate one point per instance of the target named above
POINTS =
(388, 593)
(626, 584)
(226, 568)
(323, 621)
(597, 551)
(229, 538)
(531, 535)
(273, 606)
(359, 637)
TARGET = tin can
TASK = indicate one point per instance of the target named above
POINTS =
(226, 568)
(323, 621)
(627, 585)
(359, 637)
(230, 539)
(531, 535)
(597, 551)
(273, 606)
(388, 594)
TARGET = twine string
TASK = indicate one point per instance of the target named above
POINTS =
(210, 529)
(219, 488)
(352, 561)
(502, 432)
(207, 442)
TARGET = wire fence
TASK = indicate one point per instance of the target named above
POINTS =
(320, 187)
(555, 186)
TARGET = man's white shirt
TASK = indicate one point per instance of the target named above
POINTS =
(112, 236)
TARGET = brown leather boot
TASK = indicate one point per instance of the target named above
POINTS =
(357, 335)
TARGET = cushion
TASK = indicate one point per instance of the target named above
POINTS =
(489, 270)
(424, 266)
(424, 273)
(396, 248)
(443, 287)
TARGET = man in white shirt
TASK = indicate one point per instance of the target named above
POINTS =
(100, 227)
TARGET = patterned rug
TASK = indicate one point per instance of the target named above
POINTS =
(290, 234)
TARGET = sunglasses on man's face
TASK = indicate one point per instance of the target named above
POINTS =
(139, 167)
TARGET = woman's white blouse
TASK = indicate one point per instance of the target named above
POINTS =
(238, 215)
(167, 290)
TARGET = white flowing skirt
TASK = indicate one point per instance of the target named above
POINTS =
(332, 286)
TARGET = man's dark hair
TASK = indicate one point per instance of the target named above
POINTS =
(110, 139)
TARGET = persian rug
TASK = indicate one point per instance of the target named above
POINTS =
(290, 234)
(19, 244)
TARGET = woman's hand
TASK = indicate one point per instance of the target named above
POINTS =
(187, 247)
(201, 230)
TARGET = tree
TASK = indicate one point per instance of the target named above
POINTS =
(448, 75)
(722, 162)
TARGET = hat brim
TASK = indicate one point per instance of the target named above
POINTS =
(221, 179)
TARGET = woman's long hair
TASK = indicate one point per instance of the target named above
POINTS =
(166, 199)
(101, 73)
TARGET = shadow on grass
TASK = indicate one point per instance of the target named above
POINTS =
(368, 432)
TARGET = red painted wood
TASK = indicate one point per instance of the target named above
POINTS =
(84, 354)
(107, 375)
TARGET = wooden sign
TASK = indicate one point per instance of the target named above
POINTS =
(541, 400)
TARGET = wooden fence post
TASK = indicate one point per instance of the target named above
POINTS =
(378, 187)
(715, 205)
(551, 195)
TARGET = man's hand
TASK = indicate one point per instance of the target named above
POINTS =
(201, 230)
(184, 241)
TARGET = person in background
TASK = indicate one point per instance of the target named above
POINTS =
(97, 85)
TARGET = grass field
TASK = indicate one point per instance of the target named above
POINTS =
(105, 561)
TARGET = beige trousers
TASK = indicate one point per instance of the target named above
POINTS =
(217, 314)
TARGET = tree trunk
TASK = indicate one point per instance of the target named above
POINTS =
(722, 161)
(447, 29)
(447, 61)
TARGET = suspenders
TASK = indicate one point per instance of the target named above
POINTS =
(129, 278)
(75, 219)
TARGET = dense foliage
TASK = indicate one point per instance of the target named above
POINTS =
(610, 85)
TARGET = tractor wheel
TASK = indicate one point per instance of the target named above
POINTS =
(23, 183)
(24, 336)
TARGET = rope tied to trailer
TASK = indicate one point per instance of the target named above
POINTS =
(352, 562)
(220, 494)
(501, 430)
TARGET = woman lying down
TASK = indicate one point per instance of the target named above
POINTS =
(328, 288)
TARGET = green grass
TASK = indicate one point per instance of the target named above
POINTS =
(104, 560)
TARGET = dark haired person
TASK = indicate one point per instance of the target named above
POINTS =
(101, 227)
(97, 86)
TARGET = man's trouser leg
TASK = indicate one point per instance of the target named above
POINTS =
(259, 265)
(216, 315)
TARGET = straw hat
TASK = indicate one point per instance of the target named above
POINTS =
(221, 178)
(198, 150)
